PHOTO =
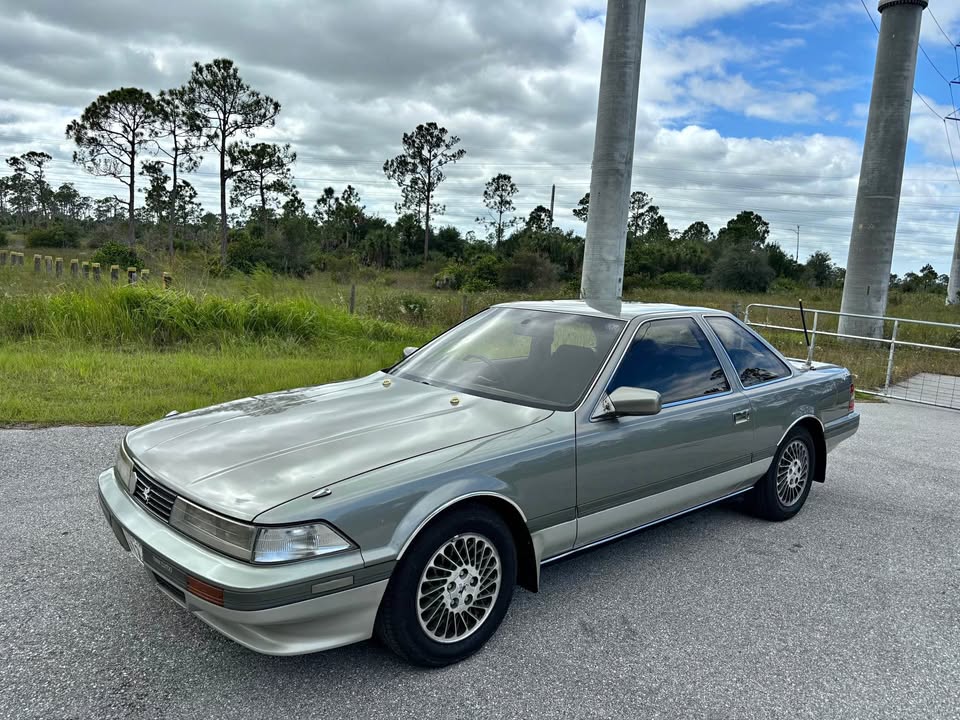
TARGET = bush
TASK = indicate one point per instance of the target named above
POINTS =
(680, 281)
(342, 269)
(452, 277)
(742, 271)
(527, 270)
(3, 239)
(114, 253)
(246, 253)
(63, 236)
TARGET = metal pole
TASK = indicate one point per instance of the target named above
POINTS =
(953, 287)
(553, 196)
(881, 169)
(893, 347)
(797, 258)
(612, 170)
(813, 339)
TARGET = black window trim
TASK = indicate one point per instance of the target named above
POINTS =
(675, 403)
(792, 371)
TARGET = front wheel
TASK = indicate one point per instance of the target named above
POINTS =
(451, 590)
(781, 493)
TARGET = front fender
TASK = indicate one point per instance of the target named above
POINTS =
(533, 468)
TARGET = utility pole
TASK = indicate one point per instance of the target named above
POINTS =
(953, 287)
(553, 195)
(612, 169)
(797, 258)
(881, 170)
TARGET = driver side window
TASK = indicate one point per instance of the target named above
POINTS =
(674, 358)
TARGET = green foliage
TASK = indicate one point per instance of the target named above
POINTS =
(452, 277)
(742, 270)
(114, 253)
(680, 281)
(525, 271)
(59, 235)
(247, 252)
(342, 269)
(3, 239)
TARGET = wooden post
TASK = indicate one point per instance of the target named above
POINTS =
(36, 263)
(463, 307)
(48, 264)
(131, 276)
(96, 272)
(58, 267)
(736, 310)
(3, 258)
(74, 267)
(353, 298)
(145, 274)
(167, 281)
(85, 269)
(114, 274)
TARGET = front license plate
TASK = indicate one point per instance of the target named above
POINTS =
(135, 547)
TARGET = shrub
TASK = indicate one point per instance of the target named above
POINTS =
(3, 239)
(342, 269)
(742, 271)
(526, 270)
(478, 285)
(452, 277)
(246, 253)
(114, 253)
(680, 281)
(63, 236)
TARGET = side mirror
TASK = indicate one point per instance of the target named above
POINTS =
(409, 350)
(635, 401)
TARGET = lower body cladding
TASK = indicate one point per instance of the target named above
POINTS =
(280, 610)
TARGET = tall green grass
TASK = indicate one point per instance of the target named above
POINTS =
(154, 318)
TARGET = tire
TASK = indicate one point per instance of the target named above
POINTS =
(426, 621)
(781, 493)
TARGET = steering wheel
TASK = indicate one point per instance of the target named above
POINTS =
(486, 361)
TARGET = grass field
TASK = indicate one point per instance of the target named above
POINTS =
(74, 351)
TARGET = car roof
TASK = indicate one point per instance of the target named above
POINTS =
(617, 309)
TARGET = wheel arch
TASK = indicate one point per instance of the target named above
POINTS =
(812, 424)
(528, 575)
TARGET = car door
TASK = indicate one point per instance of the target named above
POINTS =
(774, 404)
(635, 470)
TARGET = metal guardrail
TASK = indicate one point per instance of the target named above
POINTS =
(893, 342)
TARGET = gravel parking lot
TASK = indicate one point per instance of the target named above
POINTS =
(850, 610)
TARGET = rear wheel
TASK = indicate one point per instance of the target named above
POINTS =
(781, 493)
(450, 591)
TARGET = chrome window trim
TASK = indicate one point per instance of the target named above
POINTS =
(777, 354)
(682, 315)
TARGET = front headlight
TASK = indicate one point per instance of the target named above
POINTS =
(124, 467)
(284, 544)
(221, 533)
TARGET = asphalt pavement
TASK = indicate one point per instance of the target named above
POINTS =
(850, 610)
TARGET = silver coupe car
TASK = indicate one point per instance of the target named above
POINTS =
(408, 504)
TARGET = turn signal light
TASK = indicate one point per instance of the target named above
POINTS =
(204, 591)
(852, 401)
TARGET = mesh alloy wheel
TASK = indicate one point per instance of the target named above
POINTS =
(793, 472)
(458, 588)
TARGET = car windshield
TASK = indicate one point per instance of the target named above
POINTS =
(530, 357)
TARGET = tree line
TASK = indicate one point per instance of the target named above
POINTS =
(150, 143)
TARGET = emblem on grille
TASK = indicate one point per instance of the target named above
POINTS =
(146, 493)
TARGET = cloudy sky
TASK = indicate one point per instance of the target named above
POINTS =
(744, 104)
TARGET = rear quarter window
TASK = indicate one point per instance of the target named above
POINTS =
(753, 360)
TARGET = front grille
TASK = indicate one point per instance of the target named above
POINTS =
(153, 496)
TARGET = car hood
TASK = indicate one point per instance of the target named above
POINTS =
(247, 456)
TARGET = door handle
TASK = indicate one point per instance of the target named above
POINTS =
(741, 416)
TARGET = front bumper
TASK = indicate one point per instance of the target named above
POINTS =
(839, 430)
(289, 609)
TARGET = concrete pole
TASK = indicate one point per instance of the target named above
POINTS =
(953, 287)
(602, 280)
(881, 169)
